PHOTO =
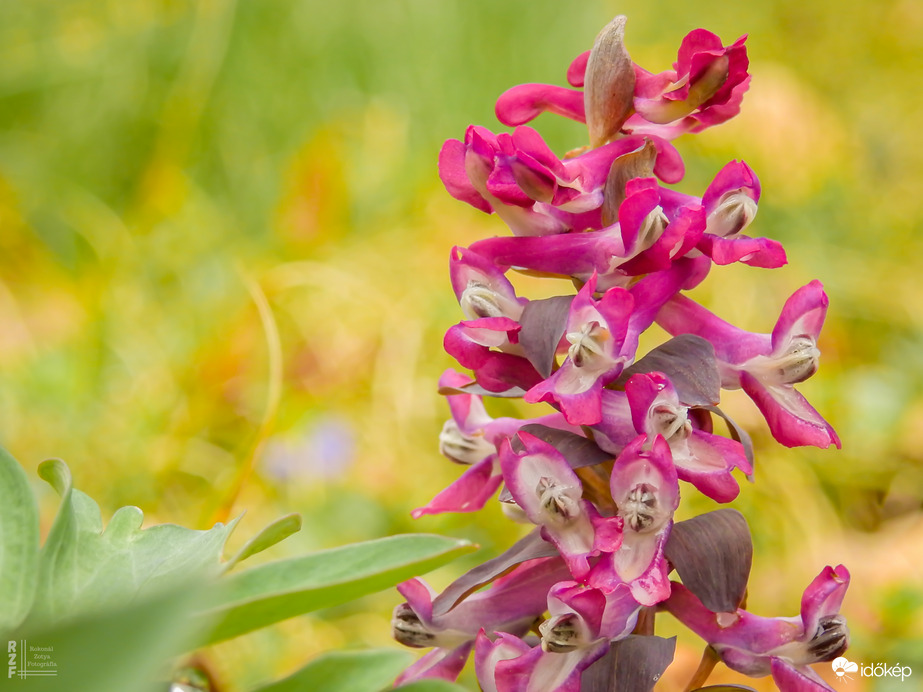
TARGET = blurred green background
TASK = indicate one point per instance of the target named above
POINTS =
(223, 286)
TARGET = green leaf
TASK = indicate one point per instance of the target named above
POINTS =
(19, 540)
(276, 532)
(346, 671)
(276, 591)
(118, 650)
(431, 685)
(83, 568)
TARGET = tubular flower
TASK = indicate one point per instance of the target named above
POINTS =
(510, 605)
(600, 346)
(471, 437)
(481, 288)
(645, 488)
(783, 647)
(549, 492)
(704, 88)
(703, 459)
(767, 366)
(582, 622)
(730, 203)
(490, 347)
(520, 179)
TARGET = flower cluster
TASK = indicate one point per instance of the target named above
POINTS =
(599, 475)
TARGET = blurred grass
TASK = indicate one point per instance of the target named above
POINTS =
(158, 156)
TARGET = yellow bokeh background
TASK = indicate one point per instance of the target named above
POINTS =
(223, 272)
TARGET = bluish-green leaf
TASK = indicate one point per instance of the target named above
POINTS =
(18, 544)
(276, 591)
(83, 568)
(120, 650)
(276, 532)
(346, 671)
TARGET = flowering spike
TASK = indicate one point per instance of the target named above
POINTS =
(599, 476)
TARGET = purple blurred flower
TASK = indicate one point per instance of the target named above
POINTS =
(326, 450)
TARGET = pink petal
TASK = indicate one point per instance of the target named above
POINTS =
(755, 252)
(708, 466)
(577, 69)
(733, 345)
(440, 664)
(469, 493)
(454, 176)
(823, 597)
(735, 175)
(802, 314)
(526, 102)
(467, 410)
(487, 654)
(791, 419)
(791, 678)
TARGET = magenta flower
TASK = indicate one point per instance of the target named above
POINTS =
(648, 237)
(704, 88)
(489, 347)
(520, 179)
(510, 604)
(487, 341)
(471, 437)
(767, 366)
(601, 344)
(703, 459)
(582, 622)
(654, 232)
(481, 287)
(730, 204)
(784, 647)
(549, 492)
(644, 486)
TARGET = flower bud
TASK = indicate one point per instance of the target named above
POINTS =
(463, 448)
(408, 629)
(609, 84)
